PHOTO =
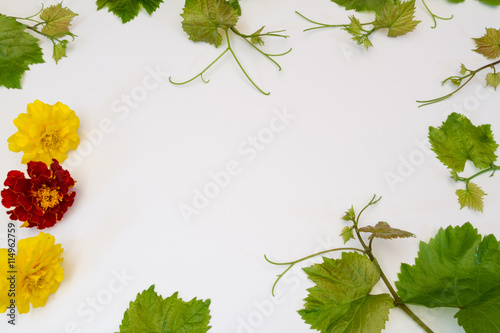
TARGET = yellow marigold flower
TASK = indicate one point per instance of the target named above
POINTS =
(45, 132)
(38, 272)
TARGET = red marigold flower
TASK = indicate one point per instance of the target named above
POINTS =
(40, 200)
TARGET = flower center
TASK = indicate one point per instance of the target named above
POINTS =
(47, 197)
(51, 140)
(35, 281)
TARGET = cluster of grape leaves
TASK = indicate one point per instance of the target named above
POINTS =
(19, 49)
(489, 46)
(395, 16)
(202, 18)
(457, 141)
(150, 312)
(458, 268)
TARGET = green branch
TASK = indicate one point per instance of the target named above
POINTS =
(434, 16)
(458, 81)
(229, 49)
(292, 263)
(491, 169)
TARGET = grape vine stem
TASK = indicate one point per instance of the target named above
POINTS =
(366, 250)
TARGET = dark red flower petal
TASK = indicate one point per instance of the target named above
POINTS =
(22, 185)
(9, 198)
(12, 177)
(21, 213)
(38, 169)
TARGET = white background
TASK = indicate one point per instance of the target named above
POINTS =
(355, 120)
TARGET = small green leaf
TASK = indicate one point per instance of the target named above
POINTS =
(256, 39)
(153, 314)
(471, 197)
(347, 234)
(127, 10)
(203, 18)
(349, 214)
(493, 79)
(362, 5)
(489, 44)
(367, 43)
(57, 20)
(458, 140)
(463, 69)
(384, 230)
(458, 268)
(59, 50)
(397, 17)
(340, 300)
(456, 81)
(354, 28)
(18, 50)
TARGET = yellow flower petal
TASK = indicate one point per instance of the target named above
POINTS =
(45, 132)
(38, 272)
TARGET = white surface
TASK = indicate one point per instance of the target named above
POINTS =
(355, 120)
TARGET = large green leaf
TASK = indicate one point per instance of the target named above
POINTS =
(150, 313)
(127, 10)
(397, 17)
(340, 301)
(458, 268)
(362, 5)
(458, 140)
(18, 50)
(204, 18)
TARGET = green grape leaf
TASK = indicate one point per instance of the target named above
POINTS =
(18, 50)
(350, 215)
(340, 300)
(367, 43)
(397, 17)
(347, 234)
(471, 197)
(127, 10)
(153, 314)
(354, 28)
(384, 230)
(203, 18)
(59, 50)
(461, 269)
(463, 69)
(489, 44)
(358, 35)
(491, 2)
(256, 39)
(236, 5)
(57, 20)
(493, 79)
(362, 5)
(458, 140)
